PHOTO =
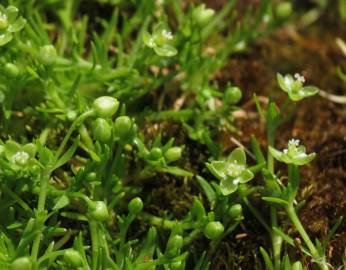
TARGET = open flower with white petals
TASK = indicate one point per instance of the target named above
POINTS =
(231, 172)
(10, 23)
(160, 41)
(293, 154)
(294, 86)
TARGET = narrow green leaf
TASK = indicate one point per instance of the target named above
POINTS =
(275, 200)
(61, 202)
(267, 260)
(208, 190)
(67, 155)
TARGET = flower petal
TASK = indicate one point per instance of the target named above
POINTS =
(245, 176)
(303, 160)
(237, 156)
(5, 38)
(11, 148)
(276, 154)
(285, 83)
(166, 50)
(218, 169)
(228, 186)
(17, 25)
(12, 13)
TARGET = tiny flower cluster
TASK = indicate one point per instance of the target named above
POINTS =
(293, 86)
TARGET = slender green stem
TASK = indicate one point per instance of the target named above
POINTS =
(276, 239)
(257, 214)
(75, 123)
(294, 218)
(86, 137)
(94, 244)
(165, 223)
(50, 255)
(192, 236)
(40, 208)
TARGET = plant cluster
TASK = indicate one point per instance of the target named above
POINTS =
(73, 154)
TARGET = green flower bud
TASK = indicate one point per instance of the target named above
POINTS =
(155, 153)
(22, 263)
(102, 130)
(235, 211)
(202, 16)
(123, 126)
(283, 10)
(11, 70)
(71, 115)
(105, 106)
(90, 177)
(98, 211)
(173, 154)
(174, 245)
(213, 230)
(73, 258)
(3, 20)
(135, 206)
(48, 54)
(233, 95)
(297, 266)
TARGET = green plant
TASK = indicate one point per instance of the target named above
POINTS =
(82, 100)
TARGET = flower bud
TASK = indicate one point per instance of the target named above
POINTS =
(73, 258)
(174, 245)
(123, 126)
(135, 206)
(173, 154)
(233, 95)
(71, 115)
(98, 211)
(235, 211)
(202, 16)
(213, 230)
(283, 10)
(48, 54)
(11, 70)
(21, 263)
(297, 266)
(102, 130)
(105, 106)
(155, 153)
(90, 177)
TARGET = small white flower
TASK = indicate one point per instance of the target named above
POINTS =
(294, 142)
(152, 43)
(167, 34)
(299, 78)
(20, 158)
